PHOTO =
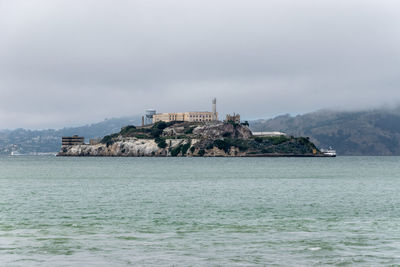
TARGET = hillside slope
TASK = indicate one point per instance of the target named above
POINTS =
(33, 141)
(375, 132)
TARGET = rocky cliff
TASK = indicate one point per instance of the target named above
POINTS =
(191, 139)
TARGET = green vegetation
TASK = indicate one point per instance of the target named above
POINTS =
(227, 143)
(109, 139)
(185, 147)
(175, 151)
(201, 152)
(243, 145)
(278, 139)
(258, 139)
(180, 149)
(141, 136)
(155, 132)
(160, 142)
(256, 145)
(209, 146)
(157, 128)
(223, 145)
(282, 145)
(128, 130)
(161, 125)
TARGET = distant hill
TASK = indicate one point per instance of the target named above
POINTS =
(42, 141)
(374, 132)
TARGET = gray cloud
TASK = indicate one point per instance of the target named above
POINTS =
(72, 62)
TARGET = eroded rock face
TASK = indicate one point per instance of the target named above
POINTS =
(130, 147)
(173, 131)
(223, 130)
(200, 143)
(135, 147)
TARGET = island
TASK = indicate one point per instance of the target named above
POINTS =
(193, 139)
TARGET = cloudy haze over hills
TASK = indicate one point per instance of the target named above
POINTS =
(66, 63)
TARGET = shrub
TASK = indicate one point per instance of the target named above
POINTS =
(140, 136)
(279, 139)
(158, 128)
(109, 139)
(222, 144)
(210, 146)
(241, 144)
(160, 125)
(201, 152)
(128, 130)
(258, 139)
(226, 134)
(185, 148)
(160, 142)
(175, 151)
(106, 139)
(155, 132)
(268, 150)
(192, 149)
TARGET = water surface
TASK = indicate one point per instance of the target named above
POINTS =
(199, 211)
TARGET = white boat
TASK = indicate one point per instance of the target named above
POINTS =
(329, 152)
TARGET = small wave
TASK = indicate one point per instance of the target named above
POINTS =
(314, 249)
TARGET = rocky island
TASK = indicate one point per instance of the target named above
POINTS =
(193, 139)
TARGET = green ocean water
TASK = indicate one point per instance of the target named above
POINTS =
(342, 211)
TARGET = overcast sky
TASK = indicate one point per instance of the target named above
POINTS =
(73, 62)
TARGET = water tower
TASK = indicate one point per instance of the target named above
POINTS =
(149, 115)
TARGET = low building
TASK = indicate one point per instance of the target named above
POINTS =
(235, 118)
(268, 134)
(73, 140)
(195, 116)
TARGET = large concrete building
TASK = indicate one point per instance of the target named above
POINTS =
(194, 116)
(72, 140)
